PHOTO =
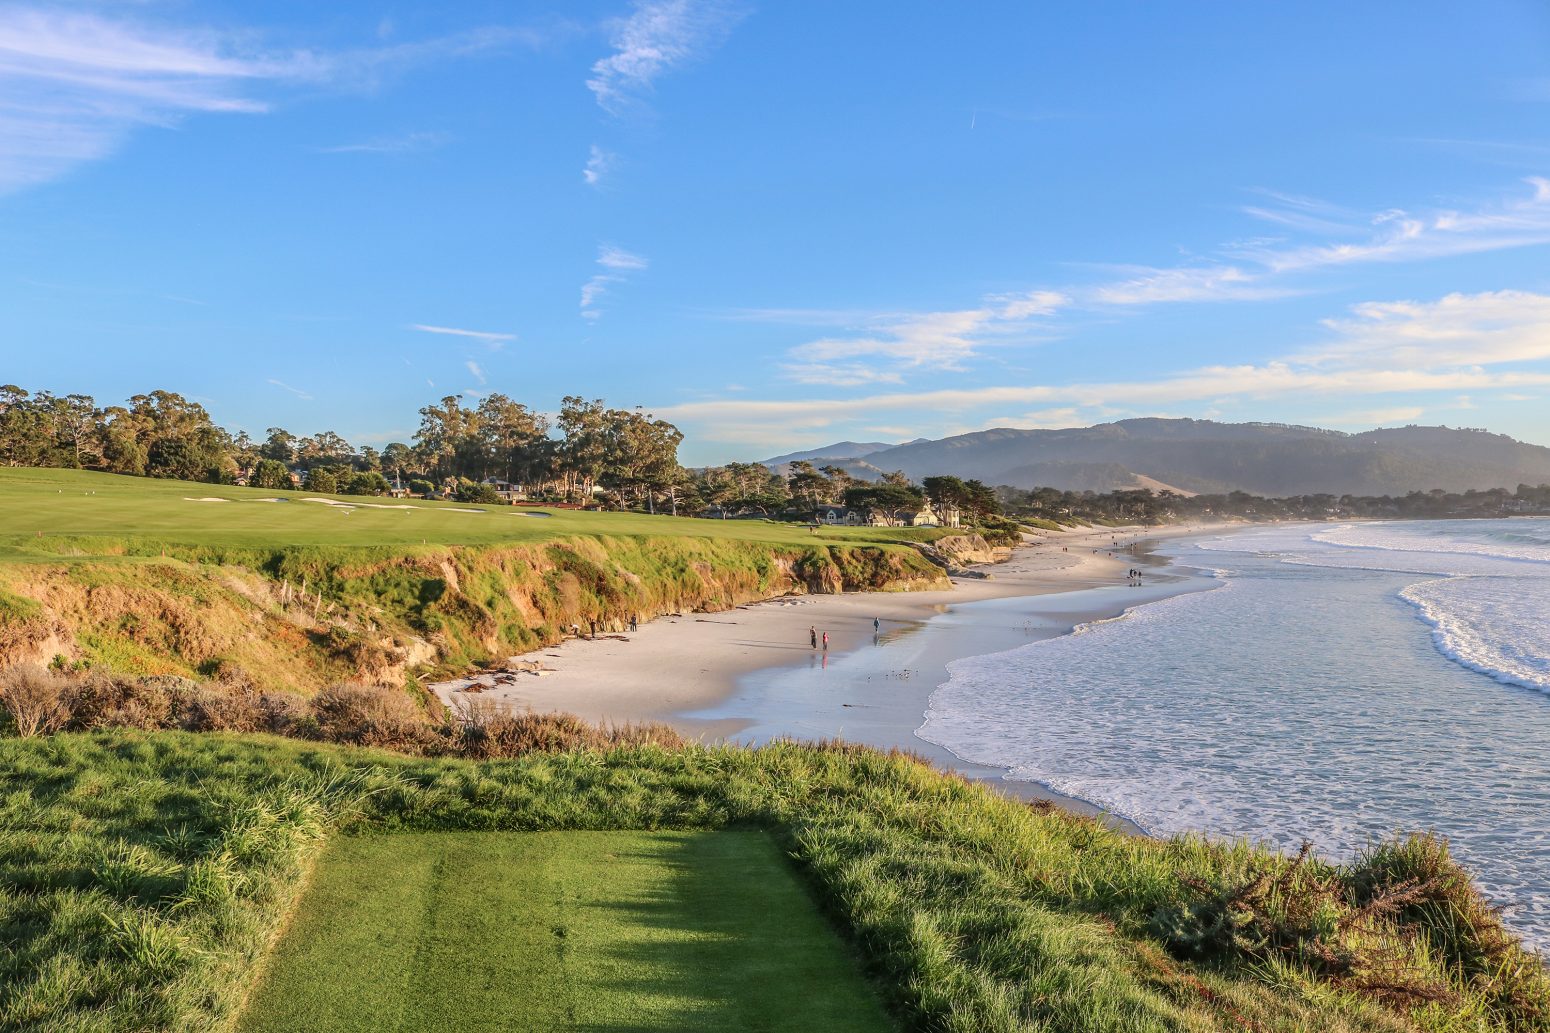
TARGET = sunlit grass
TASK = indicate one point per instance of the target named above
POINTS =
(473, 931)
(94, 512)
(144, 874)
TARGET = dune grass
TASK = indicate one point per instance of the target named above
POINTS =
(145, 874)
(623, 931)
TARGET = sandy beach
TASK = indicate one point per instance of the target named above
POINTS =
(751, 674)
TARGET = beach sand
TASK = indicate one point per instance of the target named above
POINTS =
(750, 674)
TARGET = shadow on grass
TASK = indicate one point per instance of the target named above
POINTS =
(729, 941)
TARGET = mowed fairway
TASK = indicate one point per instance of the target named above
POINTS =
(74, 503)
(541, 931)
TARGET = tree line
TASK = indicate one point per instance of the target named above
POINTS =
(588, 452)
(588, 448)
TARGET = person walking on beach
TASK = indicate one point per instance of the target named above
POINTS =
(812, 634)
(877, 625)
(594, 627)
(633, 623)
(826, 642)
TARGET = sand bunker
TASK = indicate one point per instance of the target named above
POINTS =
(208, 498)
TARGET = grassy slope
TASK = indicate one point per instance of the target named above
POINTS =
(481, 931)
(127, 574)
(73, 503)
(144, 873)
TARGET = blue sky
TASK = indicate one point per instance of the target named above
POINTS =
(781, 224)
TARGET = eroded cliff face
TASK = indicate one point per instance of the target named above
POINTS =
(964, 550)
(300, 619)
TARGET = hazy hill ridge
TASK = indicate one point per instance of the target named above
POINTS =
(1206, 456)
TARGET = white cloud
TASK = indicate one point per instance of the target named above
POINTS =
(1398, 235)
(592, 291)
(892, 344)
(1030, 303)
(1385, 348)
(74, 84)
(298, 392)
(1049, 419)
(937, 339)
(1458, 330)
(1191, 283)
(659, 35)
(599, 162)
(474, 368)
(617, 261)
(610, 257)
(842, 374)
(495, 340)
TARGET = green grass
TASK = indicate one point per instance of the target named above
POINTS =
(135, 578)
(554, 931)
(144, 875)
(93, 512)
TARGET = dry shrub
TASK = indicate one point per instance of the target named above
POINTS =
(36, 699)
(368, 659)
(486, 729)
(372, 715)
(105, 701)
(1302, 911)
(286, 713)
(1416, 882)
(218, 708)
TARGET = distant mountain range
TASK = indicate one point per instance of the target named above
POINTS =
(1203, 456)
(838, 450)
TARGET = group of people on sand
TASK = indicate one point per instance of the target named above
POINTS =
(815, 639)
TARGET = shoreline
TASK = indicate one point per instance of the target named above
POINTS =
(748, 674)
(879, 695)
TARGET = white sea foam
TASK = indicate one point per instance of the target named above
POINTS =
(1491, 611)
(1495, 625)
(1306, 698)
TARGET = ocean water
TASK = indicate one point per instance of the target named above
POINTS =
(1343, 683)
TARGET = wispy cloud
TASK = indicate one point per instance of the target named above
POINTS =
(889, 345)
(75, 84)
(1399, 235)
(298, 392)
(599, 162)
(1147, 286)
(406, 143)
(1267, 268)
(1486, 329)
(476, 370)
(610, 257)
(616, 261)
(1446, 347)
(658, 36)
(490, 337)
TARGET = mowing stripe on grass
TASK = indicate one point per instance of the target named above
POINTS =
(619, 931)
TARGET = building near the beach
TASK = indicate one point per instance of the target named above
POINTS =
(840, 516)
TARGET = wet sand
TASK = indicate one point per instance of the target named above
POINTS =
(750, 674)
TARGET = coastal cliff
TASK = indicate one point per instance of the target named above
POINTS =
(303, 617)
